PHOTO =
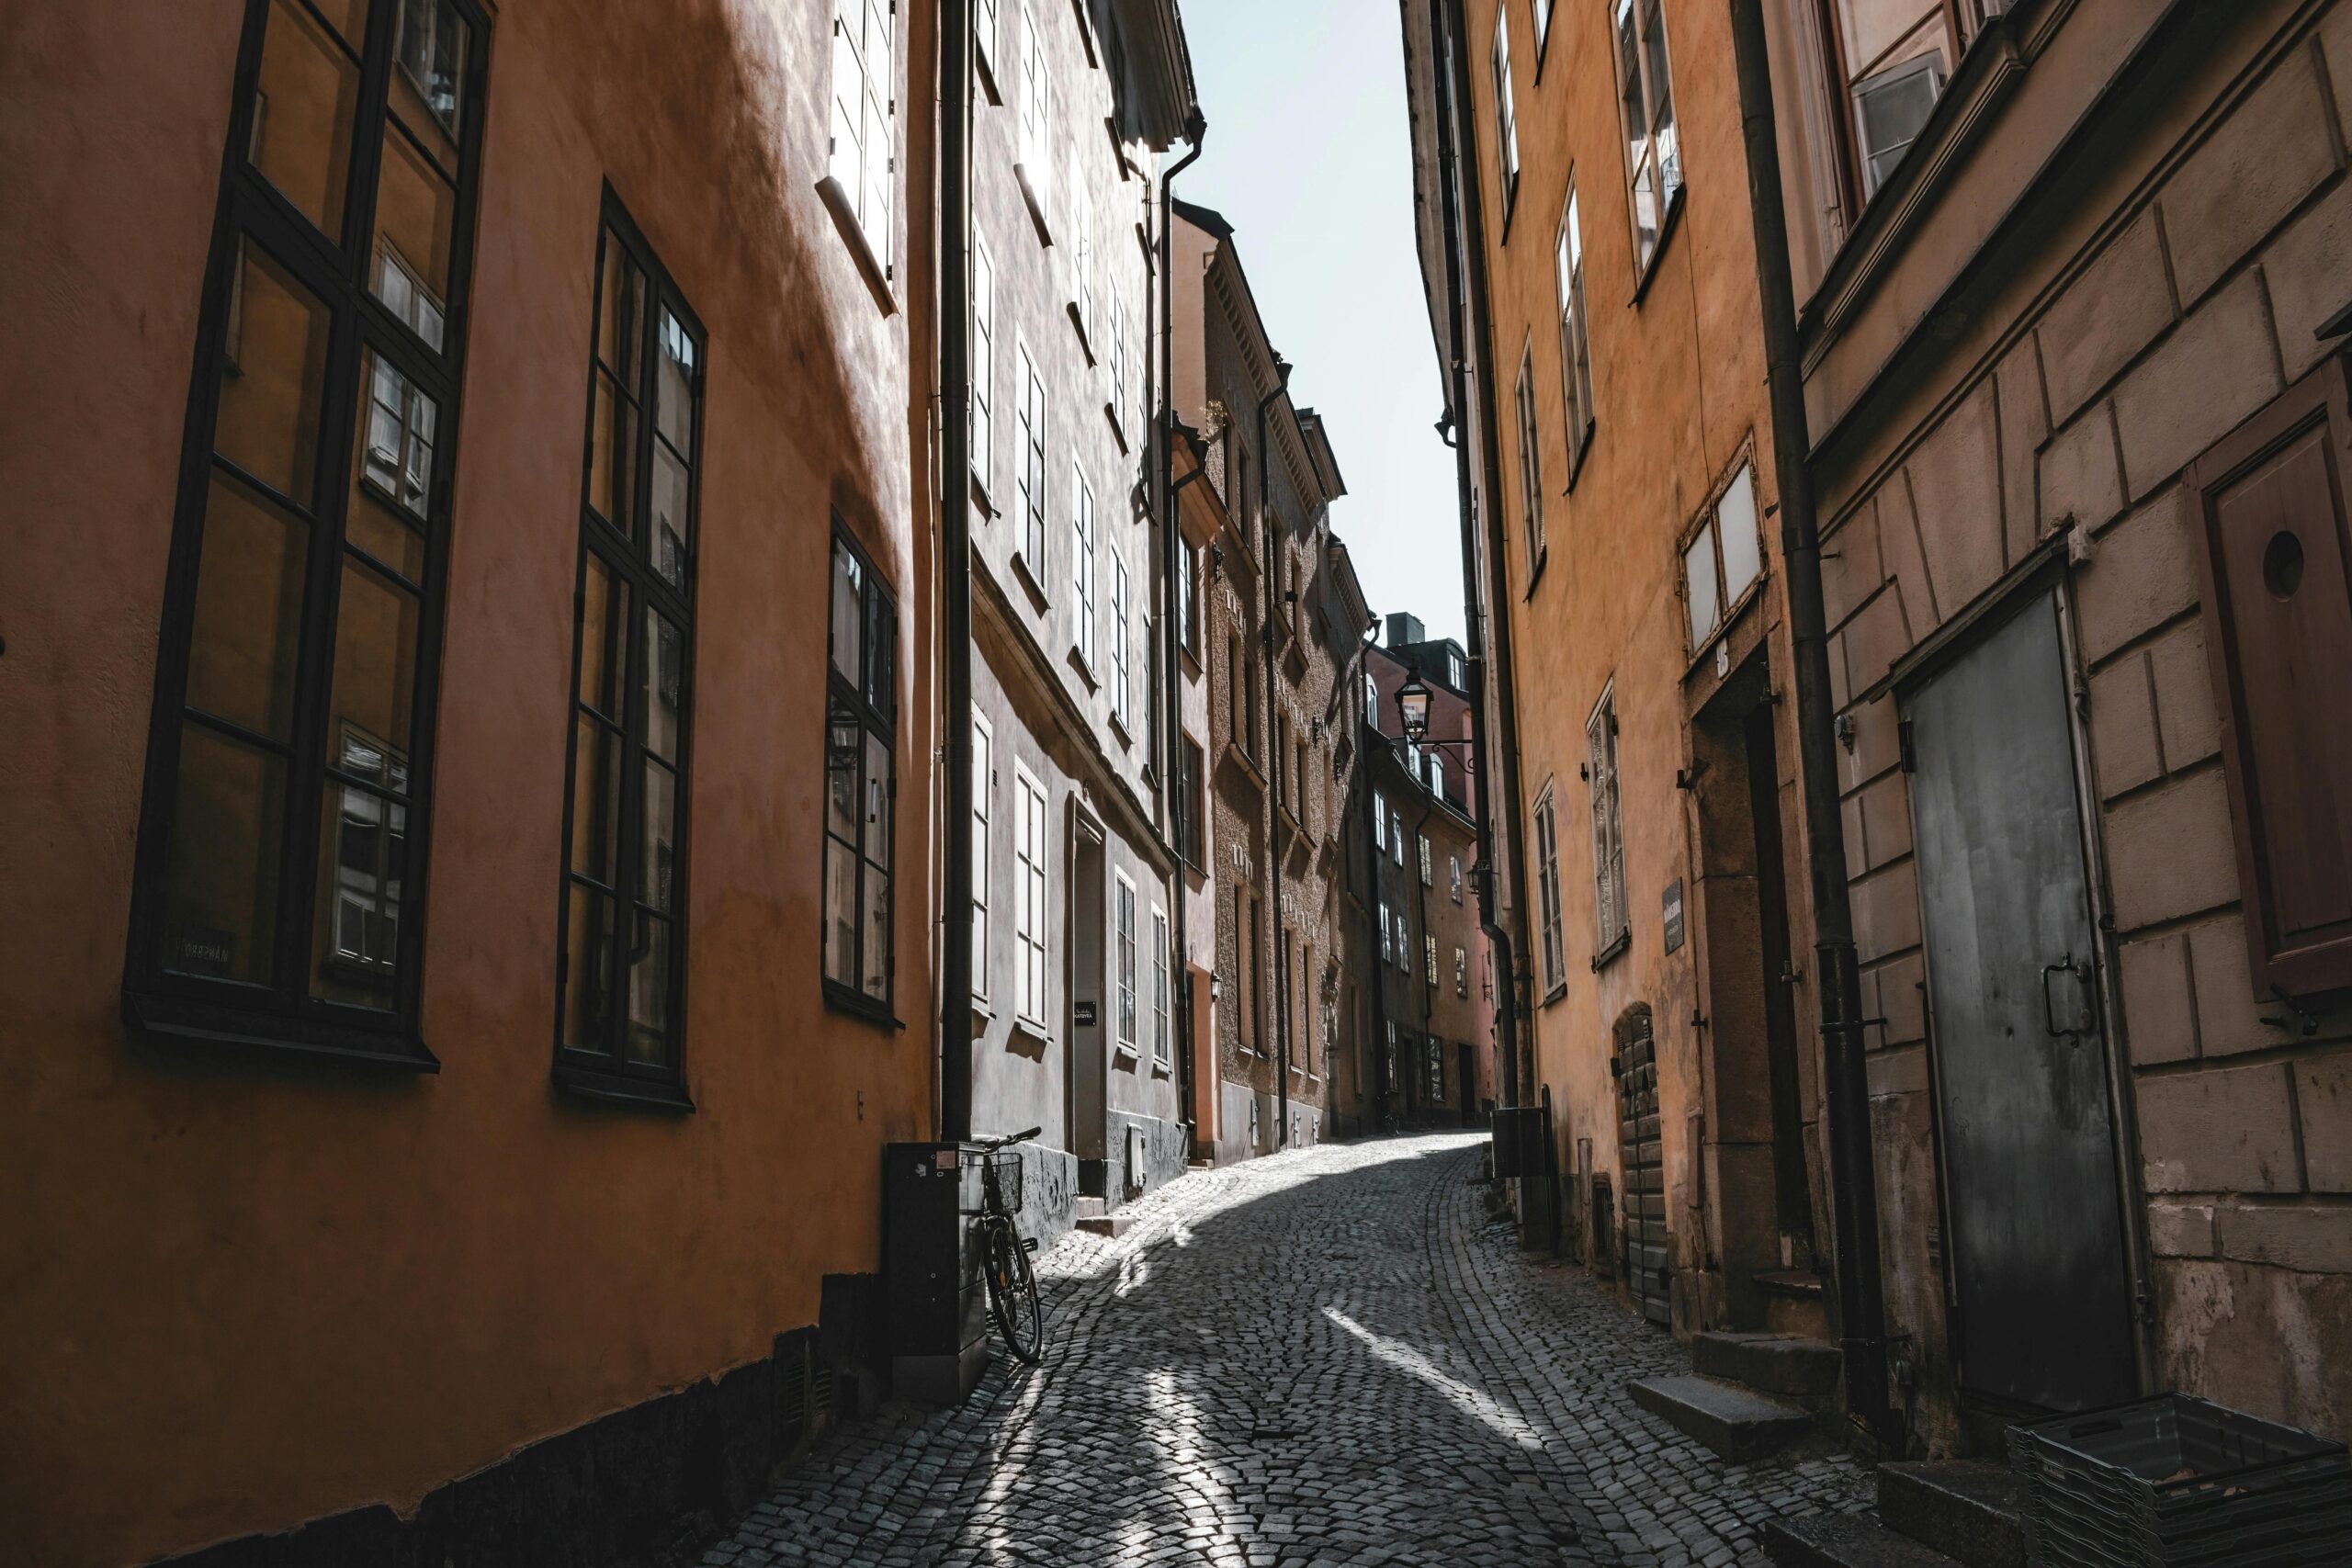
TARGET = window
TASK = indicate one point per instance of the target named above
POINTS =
(1254, 973)
(1162, 1037)
(1122, 696)
(983, 365)
(1610, 922)
(1029, 479)
(1429, 958)
(1547, 862)
(1436, 1059)
(1404, 942)
(1530, 464)
(984, 32)
(1233, 688)
(1461, 972)
(1437, 775)
(1457, 675)
(1454, 863)
(1645, 100)
(1370, 700)
(983, 789)
(1723, 559)
(866, 116)
(1119, 412)
(1890, 109)
(1123, 953)
(1029, 896)
(1428, 878)
(620, 976)
(1379, 820)
(1543, 24)
(1036, 114)
(291, 734)
(1192, 832)
(1081, 566)
(861, 782)
(1506, 121)
(1188, 598)
(1387, 940)
(1396, 835)
(1576, 343)
(1081, 283)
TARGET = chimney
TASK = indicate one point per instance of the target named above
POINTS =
(1404, 629)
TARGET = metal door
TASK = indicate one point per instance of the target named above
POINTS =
(1639, 1145)
(2027, 1145)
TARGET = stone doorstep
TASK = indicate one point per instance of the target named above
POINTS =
(1738, 1422)
(1845, 1540)
(1973, 1510)
(1106, 1225)
(1776, 1363)
(1795, 1303)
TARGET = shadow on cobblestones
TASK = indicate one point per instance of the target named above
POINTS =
(1318, 1358)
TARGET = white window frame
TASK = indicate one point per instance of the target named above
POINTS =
(1081, 566)
(984, 30)
(1429, 875)
(983, 791)
(1531, 458)
(1930, 62)
(1029, 478)
(1397, 835)
(1461, 972)
(1456, 862)
(1036, 114)
(1379, 820)
(1653, 148)
(870, 184)
(1032, 892)
(1123, 700)
(1388, 943)
(1612, 922)
(1082, 222)
(1371, 699)
(1506, 115)
(1429, 958)
(1723, 559)
(1119, 365)
(983, 425)
(1125, 962)
(1576, 337)
(1547, 887)
(1162, 1034)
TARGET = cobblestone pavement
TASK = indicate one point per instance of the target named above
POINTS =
(1321, 1357)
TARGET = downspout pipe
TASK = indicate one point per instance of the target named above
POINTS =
(1861, 1306)
(952, 325)
(1441, 17)
(1267, 573)
(1171, 541)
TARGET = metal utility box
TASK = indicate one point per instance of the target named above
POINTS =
(930, 1270)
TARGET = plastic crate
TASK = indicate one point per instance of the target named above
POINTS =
(2176, 1482)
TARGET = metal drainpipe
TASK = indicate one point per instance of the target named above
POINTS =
(1172, 681)
(1861, 1307)
(1274, 782)
(1441, 17)
(955, 564)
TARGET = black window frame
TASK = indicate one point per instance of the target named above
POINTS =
(609, 1073)
(877, 719)
(281, 1014)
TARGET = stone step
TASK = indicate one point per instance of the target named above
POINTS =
(1090, 1208)
(1738, 1422)
(1776, 1363)
(1973, 1510)
(1795, 1303)
(1845, 1540)
(1106, 1225)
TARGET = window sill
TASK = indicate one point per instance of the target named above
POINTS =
(1535, 572)
(1085, 668)
(1078, 324)
(981, 1011)
(1030, 581)
(1030, 194)
(1666, 229)
(980, 495)
(1126, 740)
(1029, 1028)
(1118, 428)
(857, 1004)
(1126, 1056)
(870, 265)
(181, 1019)
(1602, 960)
(984, 67)
(620, 1090)
(1577, 458)
(1160, 1068)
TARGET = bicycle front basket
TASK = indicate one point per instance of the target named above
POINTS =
(1003, 1177)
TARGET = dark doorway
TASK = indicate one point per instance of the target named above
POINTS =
(1089, 1064)
(2017, 1048)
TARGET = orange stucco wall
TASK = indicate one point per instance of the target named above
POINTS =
(238, 1294)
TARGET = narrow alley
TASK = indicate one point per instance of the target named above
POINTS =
(1319, 1357)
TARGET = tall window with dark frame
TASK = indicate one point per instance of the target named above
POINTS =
(1029, 475)
(1505, 118)
(620, 965)
(861, 782)
(863, 157)
(282, 839)
(1576, 341)
(1611, 928)
(1547, 883)
(1645, 101)
(1531, 461)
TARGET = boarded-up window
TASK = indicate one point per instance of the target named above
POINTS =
(2271, 506)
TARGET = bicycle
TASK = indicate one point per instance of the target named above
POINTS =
(1004, 1256)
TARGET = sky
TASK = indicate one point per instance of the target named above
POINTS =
(1309, 157)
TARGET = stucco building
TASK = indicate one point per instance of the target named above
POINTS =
(472, 744)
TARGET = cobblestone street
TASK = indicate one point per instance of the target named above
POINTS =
(1319, 1357)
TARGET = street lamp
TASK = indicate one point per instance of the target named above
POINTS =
(1413, 709)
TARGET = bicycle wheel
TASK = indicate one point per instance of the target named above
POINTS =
(1012, 1296)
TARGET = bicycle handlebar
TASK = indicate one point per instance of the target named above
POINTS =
(992, 1144)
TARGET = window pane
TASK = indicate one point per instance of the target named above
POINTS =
(620, 323)
(303, 110)
(1661, 78)
(273, 370)
(596, 800)
(658, 870)
(588, 970)
(877, 932)
(243, 653)
(416, 212)
(877, 800)
(841, 913)
(1735, 521)
(849, 614)
(376, 631)
(673, 517)
(429, 89)
(649, 991)
(843, 740)
(376, 520)
(665, 674)
(355, 937)
(612, 456)
(1699, 573)
(221, 876)
(680, 366)
(604, 615)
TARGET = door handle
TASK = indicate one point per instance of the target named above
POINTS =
(2081, 971)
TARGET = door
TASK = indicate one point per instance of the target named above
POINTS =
(2018, 1053)
(1640, 1148)
(1089, 1029)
